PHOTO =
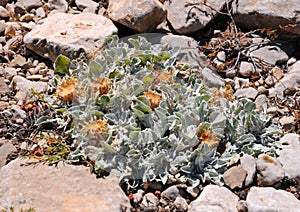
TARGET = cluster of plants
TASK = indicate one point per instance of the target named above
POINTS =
(135, 108)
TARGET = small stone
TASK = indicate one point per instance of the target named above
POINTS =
(234, 177)
(35, 77)
(262, 90)
(240, 83)
(277, 73)
(22, 84)
(61, 5)
(270, 171)
(43, 71)
(20, 97)
(261, 102)
(6, 149)
(4, 89)
(211, 79)
(18, 112)
(287, 121)
(180, 204)
(40, 12)
(27, 17)
(3, 105)
(193, 191)
(90, 5)
(230, 73)
(33, 71)
(10, 31)
(291, 61)
(246, 69)
(138, 196)
(249, 164)
(44, 79)
(24, 146)
(19, 121)
(249, 93)
(287, 157)
(221, 56)
(150, 202)
(291, 139)
(18, 61)
(170, 193)
(29, 4)
(4, 14)
(270, 81)
(270, 199)
(242, 206)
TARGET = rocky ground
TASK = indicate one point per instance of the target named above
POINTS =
(260, 62)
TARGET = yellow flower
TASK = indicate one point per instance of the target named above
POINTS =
(102, 84)
(68, 89)
(154, 98)
(95, 127)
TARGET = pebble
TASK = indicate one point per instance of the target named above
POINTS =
(277, 73)
(246, 69)
(40, 12)
(287, 122)
(10, 72)
(18, 112)
(10, 31)
(18, 61)
(249, 164)
(261, 102)
(270, 81)
(193, 191)
(35, 77)
(27, 17)
(138, 196)
(262, 90)
(249, 93)
(170, 193)
(240, 83)
(292, 139)
(4, 14)
(19, 121)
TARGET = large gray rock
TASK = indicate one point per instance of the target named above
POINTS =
(188, 19)
(215, 198)
(269, 170)
(269, 14)
(70, 35)
(141, 15)
(58, 188)
(270, 54)
(270, 199)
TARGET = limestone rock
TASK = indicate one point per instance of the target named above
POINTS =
(150, 202)
(270, 54)
(234, 177)
(58, 188)
(87, 4)
(29, 4)
(261, 102)
(215, 198)
(291, 79)
(270, 199)
(170, 193)
(189, 19)
(60, 5)
(21, 84)
(70, 35)
(211, 79)
(270, 170)
(180, 204)
(257, 14)
(5, 150)
(291, 139)
(250, 93)
(249, 164)
(4, 14)
(246, 69)
(141, 15)
(4, 89)
(288, 157)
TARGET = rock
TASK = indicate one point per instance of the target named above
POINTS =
(29, 4)
(180, 204)
(59, 188)
(138, 196)
(10, 72)
(270, 54)
(256, 14)
(150, 202)
(269, 170)
(21, 84)
(193, 191)
(291, 139)
(35, 77)
(4, 14)
(10, 30)
(3, 2)
(214, 198)
(18, 112)
(145, 19)
(270, 199)
(189, 19)
(18, 61)
(211, 79)
(287, 157)
(60, 5)
(277, 73)
(246, 69)
(291, 79)
(4, 89)
(242, 206)
(240, 83)
(248, 163)
(234, 177)
(87, 4)
(262, 90)
(170, 193)
(249, 93)
(189, 53)
(5, 150)
(270, 81)
(70, 35)
(40, 12)
(27, 17)
(287, 122)
(20, 97)
(261, 102)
